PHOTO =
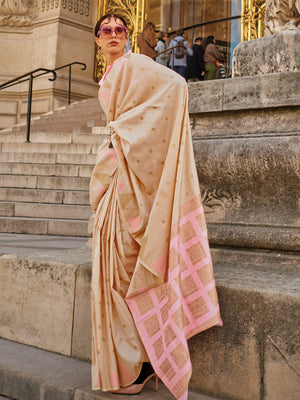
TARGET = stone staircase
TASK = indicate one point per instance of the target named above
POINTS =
(44, 184)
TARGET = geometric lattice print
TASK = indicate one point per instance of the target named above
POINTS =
(166, 316)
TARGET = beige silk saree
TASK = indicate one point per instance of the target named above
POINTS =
(152, 284)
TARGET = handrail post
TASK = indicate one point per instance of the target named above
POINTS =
(69, 84)
(172, 55)
(29, 108)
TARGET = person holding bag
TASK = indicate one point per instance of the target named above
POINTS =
(212, 58)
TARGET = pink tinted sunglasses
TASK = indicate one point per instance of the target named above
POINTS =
(107, 31)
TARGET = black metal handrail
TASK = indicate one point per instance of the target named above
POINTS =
(18, 80)
(29, 76)
(213, 21)
(70, 66)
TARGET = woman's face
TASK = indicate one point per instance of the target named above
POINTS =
(112, 44)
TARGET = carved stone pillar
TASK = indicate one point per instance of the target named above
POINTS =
(282, 15)
(18, 12)
(279, 50)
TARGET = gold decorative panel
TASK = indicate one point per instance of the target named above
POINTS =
(133, 12)
(253, 16)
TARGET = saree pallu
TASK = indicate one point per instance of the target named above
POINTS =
(152, 284)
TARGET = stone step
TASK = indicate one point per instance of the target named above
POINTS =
(10, 137)
(97, 122)
(44, 196)
(7, 209)
(78, 116)
(83, 115)
(43, 226)
(20, 181)
(85, 159)
(11, 168)
(88, 138)
(48, 158)
(34, 210)
(63, 183)
(84, 110)
(61, 127)
(58, 124)
(67, 121)
(82, 106)
(47, 148)
(45, 182)
(77, 136)
(87, 130)
(28, 373)
(19, 243)
(100, 130)
(50, 137)
(35, 158)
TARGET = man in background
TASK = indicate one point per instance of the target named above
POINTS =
(195, 64)
(180, 53)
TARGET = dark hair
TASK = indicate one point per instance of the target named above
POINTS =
(150, 25)
(180, 32)
(109, 16)
(208, 40)
(199, 38)
(161, 35)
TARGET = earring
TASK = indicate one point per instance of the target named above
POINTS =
(99, 55)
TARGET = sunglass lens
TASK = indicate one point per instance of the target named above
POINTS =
(106, 31)
(119, 30)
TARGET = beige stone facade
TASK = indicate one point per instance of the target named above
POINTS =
(47, 34)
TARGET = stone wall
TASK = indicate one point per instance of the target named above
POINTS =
(246, 139)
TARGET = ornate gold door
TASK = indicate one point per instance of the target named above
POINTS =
(253, 16)
(133, 11)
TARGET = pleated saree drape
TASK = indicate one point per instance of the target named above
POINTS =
(152, 284)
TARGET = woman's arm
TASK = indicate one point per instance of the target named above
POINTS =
(188, 48)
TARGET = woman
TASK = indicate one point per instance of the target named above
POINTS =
(212, 57)
(147, 40)
(152, 282)
(160, 47)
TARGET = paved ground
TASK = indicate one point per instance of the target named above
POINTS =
(23, 244)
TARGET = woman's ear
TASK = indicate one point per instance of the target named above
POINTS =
(97, 42)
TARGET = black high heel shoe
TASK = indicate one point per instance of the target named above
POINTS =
(137, 386)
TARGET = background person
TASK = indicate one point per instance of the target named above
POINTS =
(161, 46)
(195, 64)
(148, 295)
(212, 58)
(146, 40)
(180, 63)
